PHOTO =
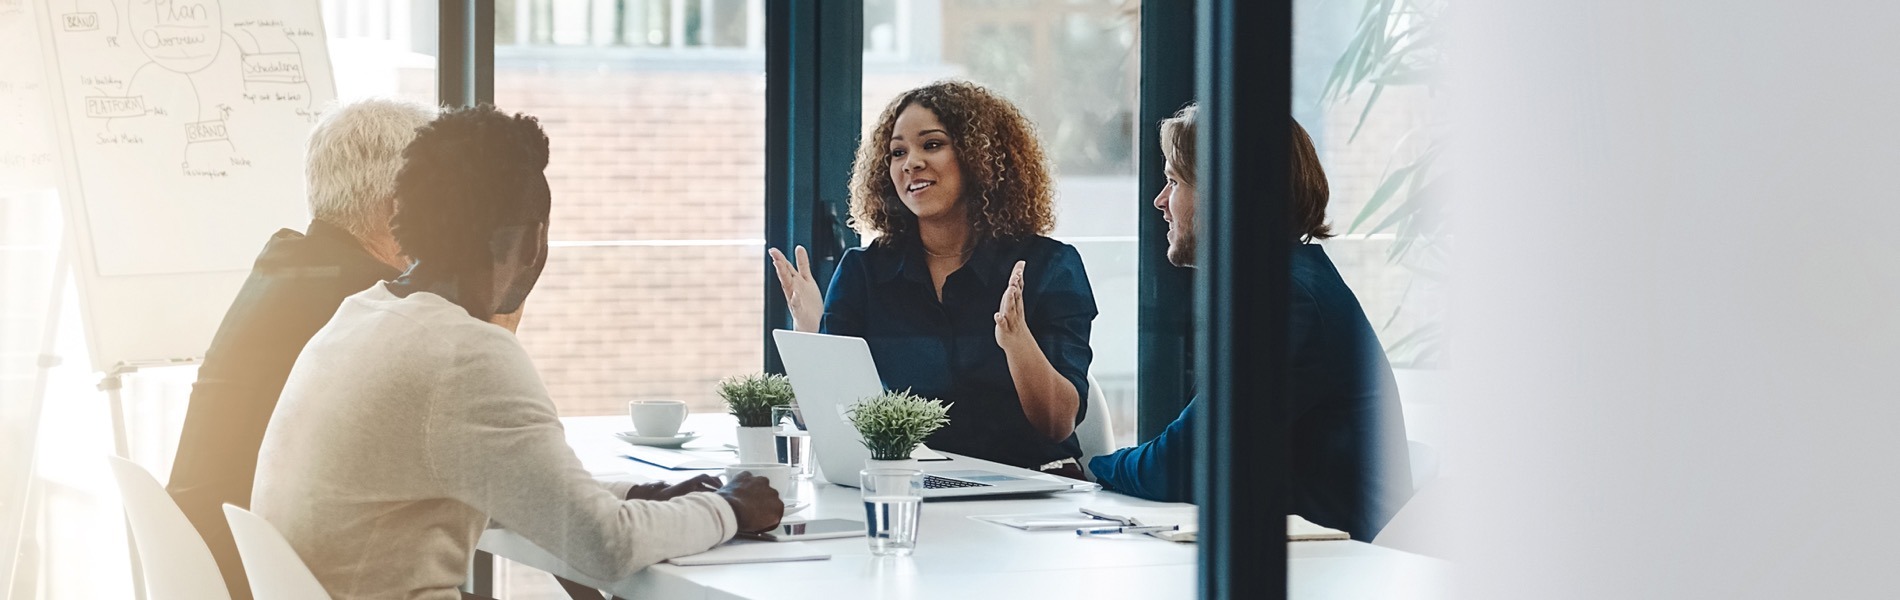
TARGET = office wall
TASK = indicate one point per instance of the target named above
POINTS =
(1676, 306)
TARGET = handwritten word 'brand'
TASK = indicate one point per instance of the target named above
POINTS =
(81, 21)
(205, 131)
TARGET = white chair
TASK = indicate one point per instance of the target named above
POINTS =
(1096, 432)
(276, 572)
(1424, 463)
(176, 561)
(1419, 527)
(1415, 527)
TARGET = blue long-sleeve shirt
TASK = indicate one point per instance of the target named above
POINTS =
(1160, 469)
(946, 348)
(1346, 449)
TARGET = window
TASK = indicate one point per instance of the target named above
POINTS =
(1073, 68)
(1390, 247)
(382, 48)
(674, 25)
(652, 288)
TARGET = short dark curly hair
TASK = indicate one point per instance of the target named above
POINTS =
(467, 173)
(1005, 173)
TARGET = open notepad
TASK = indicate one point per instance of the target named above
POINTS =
(739, 553)
(1298, 529)
(1046, 521)
(677, 460)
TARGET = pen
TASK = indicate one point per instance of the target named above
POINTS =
(1141, 529)
(1116, 518)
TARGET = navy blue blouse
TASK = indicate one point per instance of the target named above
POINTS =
(947, 350)
(1349, 467)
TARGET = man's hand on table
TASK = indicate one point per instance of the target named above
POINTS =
(659, 491)
(754, 502)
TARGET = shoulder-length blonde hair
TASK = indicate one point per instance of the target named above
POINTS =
(1006, 183)
(1310, 191)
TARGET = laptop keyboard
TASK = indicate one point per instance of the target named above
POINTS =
(933, 482)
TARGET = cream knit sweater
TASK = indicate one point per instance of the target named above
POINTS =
(407, 425)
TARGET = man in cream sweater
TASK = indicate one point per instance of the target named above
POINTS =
(414, 417)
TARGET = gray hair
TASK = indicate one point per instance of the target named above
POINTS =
(355, 152)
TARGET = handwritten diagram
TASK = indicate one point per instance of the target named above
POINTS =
(28, 157)
(186, 112)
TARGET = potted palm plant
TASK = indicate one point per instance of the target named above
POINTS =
(750, 398)
(892, 424)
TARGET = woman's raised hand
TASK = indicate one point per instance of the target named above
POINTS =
(801, 291)
(1012, 327)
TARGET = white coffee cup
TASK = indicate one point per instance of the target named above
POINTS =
(657, 418)
(778, 475)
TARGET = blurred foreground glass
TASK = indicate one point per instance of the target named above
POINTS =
(893, 504)
(794, 442)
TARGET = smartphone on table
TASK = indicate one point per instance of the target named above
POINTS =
(819, 529)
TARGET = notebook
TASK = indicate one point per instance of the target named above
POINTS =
(741, 552)
(1046, 521)
(675, 460)
(1298, 529)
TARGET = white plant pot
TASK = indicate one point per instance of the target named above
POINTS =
(756, 445)
(908, 463)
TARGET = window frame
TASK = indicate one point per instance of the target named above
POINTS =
(1243, 66)
(814, 77)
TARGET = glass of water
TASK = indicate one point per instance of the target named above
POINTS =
(794, 442)
(893, 503)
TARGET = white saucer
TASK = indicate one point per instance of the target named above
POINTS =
(658, 442)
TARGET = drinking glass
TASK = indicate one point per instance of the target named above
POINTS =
(893, 504)
(794, 442)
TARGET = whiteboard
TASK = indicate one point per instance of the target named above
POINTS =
(181, 127)
(28, 159)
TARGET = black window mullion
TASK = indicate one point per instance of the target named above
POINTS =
(455, 53)
(1243, 62)
(1165, 291)
(482, 67)
(813, 78)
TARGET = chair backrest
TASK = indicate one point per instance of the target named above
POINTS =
(1424, 464)
(176, 561)
(276, 572)
(1096, 432)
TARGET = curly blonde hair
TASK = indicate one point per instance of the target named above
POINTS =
(1006, 176)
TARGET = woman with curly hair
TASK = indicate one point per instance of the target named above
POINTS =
(960, 296)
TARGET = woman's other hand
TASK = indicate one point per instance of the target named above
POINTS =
(1012, 327)
(801, 290)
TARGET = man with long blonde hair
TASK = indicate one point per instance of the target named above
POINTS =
(1346, 450)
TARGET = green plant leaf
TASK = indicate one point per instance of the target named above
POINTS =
(1379, 197)
(1425, 335)
(1397, 307)
(892, 424)
(1406, 76)
(750, 398)
(1349, 71)
(1400, 211)
(1377, 90)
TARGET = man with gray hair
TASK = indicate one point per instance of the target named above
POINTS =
(294, 287)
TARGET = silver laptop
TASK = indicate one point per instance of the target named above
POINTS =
(830, 373)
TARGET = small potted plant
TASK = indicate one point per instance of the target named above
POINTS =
(750, 398)
(892, 424)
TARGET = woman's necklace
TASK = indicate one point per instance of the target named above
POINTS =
(965, 252)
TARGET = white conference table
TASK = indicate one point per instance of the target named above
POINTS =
(960, 557)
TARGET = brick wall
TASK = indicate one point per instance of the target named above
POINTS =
(648, 157)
